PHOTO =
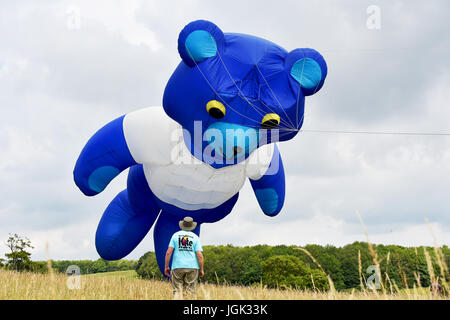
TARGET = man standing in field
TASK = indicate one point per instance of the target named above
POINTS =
(187, 260)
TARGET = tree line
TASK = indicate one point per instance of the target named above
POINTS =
(90, 266)
(308, 267)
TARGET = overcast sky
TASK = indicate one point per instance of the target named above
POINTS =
(69, 67)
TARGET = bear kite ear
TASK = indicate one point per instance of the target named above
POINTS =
(308, 68)
(200, 40)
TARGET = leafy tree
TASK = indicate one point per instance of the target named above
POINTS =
(328, 257)
(99, 265)
(289, 271)
(147, 267)
(251, 272)
(19, 257)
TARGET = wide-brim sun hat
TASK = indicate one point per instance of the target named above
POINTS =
(187, 224)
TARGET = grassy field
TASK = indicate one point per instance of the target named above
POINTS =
(127, 274)
(126, 285)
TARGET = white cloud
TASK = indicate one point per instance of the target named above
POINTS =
(59, 85)
(248, 226)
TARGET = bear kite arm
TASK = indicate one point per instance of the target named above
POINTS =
(270, 188)
(105, 155)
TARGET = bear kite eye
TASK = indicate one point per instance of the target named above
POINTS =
(215, 109)
(270, 121)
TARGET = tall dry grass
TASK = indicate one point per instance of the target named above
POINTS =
(24, 285)
(389, 289)
(118, 286)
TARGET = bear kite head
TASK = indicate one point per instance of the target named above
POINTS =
(229, 82)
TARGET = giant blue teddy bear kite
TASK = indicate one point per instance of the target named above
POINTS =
(229, 100)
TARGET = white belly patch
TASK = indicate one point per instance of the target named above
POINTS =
(194, 185)
(173, 174)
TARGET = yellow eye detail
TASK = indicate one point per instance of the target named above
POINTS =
(215, 109)
(270, 121)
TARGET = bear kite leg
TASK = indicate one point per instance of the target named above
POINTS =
(128, 218)
(121, 229)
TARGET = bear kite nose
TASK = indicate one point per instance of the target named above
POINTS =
(236, 150)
